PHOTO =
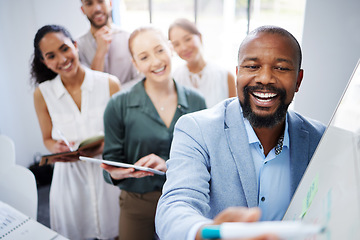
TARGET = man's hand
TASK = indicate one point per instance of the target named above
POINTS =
(239, 214)
(103, 38)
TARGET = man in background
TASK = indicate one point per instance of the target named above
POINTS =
(105, 46)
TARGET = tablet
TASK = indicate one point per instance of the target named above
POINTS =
(123, 165)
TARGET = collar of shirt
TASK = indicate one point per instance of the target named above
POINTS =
(88, 84)
(139, 97)
(253, 139)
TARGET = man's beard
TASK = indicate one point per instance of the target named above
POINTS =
(101, 25)
(267, 121)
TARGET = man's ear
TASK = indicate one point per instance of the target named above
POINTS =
(299, 79)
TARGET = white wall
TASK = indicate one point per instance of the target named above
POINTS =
(19, 21)
(331, 49)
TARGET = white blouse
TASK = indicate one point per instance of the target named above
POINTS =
(211, 82)
(82, 204)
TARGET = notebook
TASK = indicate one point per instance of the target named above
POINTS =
(15, 225)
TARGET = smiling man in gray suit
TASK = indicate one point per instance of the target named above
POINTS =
(249, 151)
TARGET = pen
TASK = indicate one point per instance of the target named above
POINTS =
(283, 229)
(64, 139)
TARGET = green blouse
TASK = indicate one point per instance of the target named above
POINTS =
(134, 129)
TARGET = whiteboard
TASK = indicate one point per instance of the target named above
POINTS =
(329, 192)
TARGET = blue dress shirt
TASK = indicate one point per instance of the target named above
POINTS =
(273, 175)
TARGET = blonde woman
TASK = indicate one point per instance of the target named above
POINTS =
(139, 126)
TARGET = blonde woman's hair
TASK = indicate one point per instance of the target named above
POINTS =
(139, 30)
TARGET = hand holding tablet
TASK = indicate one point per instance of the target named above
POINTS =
(123, 165)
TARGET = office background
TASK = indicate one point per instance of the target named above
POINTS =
(327, 29)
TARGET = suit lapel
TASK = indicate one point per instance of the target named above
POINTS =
(239, 146)
(299, 149)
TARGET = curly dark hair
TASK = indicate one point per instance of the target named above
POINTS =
(39, 71)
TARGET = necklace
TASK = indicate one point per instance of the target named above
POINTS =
(195, 78)
(279, 145)
(162, 108)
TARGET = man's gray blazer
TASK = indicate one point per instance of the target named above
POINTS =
(211, 167)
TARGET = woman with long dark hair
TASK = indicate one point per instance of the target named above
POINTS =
(69, 101)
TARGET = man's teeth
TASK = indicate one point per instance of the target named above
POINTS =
(159, 70)
(98, 15)
(264, 95)
(264, 100)
(67, 66)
